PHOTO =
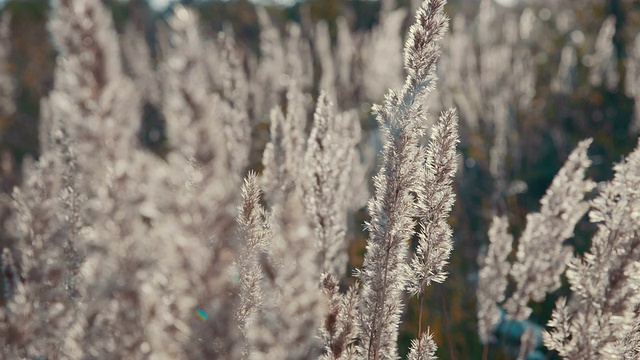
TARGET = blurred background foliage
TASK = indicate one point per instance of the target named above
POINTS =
(544, 134)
